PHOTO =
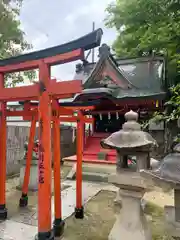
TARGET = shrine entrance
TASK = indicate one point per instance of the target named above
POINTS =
(47, 112)
(108, 123)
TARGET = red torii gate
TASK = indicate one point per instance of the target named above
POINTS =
(46, 92)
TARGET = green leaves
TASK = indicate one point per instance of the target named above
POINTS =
(172, 107)
(12, 41)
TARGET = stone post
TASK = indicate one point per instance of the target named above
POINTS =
(130, 141)
(167, 176)
(33, 181)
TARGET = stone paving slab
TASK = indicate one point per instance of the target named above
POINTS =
(23, 225)
(11, 230)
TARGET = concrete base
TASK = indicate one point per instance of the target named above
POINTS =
(131, 222)
(45, 236)
(58, 227)
(92, 172)
(33, 181)
(172, 227)
(3, 212)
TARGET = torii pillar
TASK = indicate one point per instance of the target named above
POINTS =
(3, 209)
(44, 188)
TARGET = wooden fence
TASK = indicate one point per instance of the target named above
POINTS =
(16, 137)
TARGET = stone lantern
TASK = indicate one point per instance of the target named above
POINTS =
(130, 141)
(167, 176)
(33, 181)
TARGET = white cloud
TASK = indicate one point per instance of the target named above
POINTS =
(48, 23)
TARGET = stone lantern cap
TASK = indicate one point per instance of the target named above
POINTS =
(130, 137)
(169, 169)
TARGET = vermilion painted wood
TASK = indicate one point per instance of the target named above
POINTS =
(79, 150)
(27, 106)
(57, 169)
(65, 87)
(29, 65)
(45, 179)
(43, 91)
(65, 57)
(27, 116)
(2, 148)
(66, 119)
(32, 92)
(62, 58)
(92, 149)
(82, 108)
(24, 113)
(19, 93)
(74, 159)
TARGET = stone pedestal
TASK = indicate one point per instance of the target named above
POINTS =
(171, 225)
(167, 176)
(131, 223)
(172, 215)
(130, 141)
(33, 180)
(154, 164)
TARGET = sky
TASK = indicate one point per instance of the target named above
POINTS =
(49, 23)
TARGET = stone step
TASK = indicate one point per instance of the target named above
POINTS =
(89, 174)
(95, 177)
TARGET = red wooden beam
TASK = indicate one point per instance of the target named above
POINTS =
(27, 116)
(69, 119)
(67, 88)
(82, 108)
(28, 65)
(20, 67)
(65, 57)
(24, 113)
(27, 112)
(19, 93)
(75, 119)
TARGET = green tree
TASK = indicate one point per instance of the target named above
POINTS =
(170, 116)
(12, 41)
(145, 27)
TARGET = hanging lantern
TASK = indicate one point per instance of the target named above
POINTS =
(157, 104)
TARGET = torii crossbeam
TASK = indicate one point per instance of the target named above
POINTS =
(46, 91)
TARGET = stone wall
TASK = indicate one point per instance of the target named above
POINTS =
(16, 137)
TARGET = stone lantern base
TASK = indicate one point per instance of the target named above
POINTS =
(171, 225)
(154, 165)
(131, 223)
(33, 180)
